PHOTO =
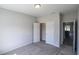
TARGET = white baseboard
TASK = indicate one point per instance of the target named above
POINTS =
(53, 44)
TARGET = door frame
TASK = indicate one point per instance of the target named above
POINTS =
(73, 35)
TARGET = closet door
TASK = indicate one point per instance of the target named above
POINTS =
(36, 32)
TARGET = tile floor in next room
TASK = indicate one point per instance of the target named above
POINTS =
(41, 48)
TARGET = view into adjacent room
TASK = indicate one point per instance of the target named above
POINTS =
(42, 32)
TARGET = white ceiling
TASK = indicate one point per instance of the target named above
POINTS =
(45, 9)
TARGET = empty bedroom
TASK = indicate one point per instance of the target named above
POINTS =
(39, 29)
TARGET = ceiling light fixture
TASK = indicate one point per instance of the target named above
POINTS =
(37, 6)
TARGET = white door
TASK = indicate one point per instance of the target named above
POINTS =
(52, 37)
(36, 37)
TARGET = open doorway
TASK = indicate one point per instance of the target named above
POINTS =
(68, 33)
(42, 32)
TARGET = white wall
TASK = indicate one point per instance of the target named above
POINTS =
(48, 18)
(15, 30)
(70, 16)
(78, 34)
(54, 18)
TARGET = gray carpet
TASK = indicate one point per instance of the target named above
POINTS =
(41, 49)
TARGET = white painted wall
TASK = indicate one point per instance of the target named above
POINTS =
(78, 34)
(70, 16)
(54, 18)
(36, 32)
(16, 30)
